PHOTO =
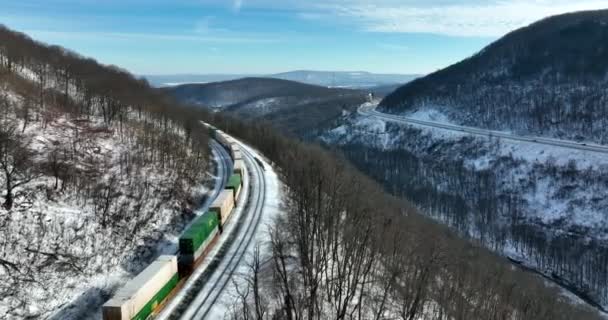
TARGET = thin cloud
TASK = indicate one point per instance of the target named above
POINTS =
(467, 18)
(237, 5)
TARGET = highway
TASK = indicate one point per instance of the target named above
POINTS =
(210, 280)
(369, 110)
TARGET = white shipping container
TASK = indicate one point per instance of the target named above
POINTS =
(224, 203)
(239, 167)
(131, 298)
(237, 156)
(234, 148)
(224, 139)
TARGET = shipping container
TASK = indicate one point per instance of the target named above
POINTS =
(237, 156)
(142, 295)
(234, 148)
(235, 183)
(196, 240)
(198, 233)
(224, 139)
(223, 206)
(239, 167)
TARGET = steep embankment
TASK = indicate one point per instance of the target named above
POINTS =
(97, 173)
(547, 79)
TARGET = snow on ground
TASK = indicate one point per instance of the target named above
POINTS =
(561, 189)
(263, 106)
(528, 151)
(544, 203)
(272, 208)
(67, 261)
(429, 114)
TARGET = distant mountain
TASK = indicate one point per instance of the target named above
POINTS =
(549, 79)
(179, 79)
(353, 80)
(292, 106)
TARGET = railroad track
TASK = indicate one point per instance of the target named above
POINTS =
(204, 289)
(223, 170)
(224, 165)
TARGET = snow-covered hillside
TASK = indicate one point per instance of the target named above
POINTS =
(295, 107)
(547, 79)
(542, 205)
(76, 235)
(97, 177)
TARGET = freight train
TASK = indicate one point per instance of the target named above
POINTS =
(143, 295)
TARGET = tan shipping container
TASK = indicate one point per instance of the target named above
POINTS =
(223, 204)
(131, 298)
(224, 140)
(239, 167)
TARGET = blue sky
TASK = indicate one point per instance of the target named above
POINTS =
(268, 36)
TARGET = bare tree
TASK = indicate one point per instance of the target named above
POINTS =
(16, 162)
(252, 302)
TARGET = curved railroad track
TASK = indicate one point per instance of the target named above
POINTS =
(206, 285)
(224, 165)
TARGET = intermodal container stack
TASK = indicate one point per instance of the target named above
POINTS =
(239, 167)
(234, 148)
(142, 295)
(237, 156)
(235, 183)
(196, 239)
(223, 139)
(223, 205)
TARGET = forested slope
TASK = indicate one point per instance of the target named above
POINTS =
(545, 79)
(298, 108)
(97, 171)
(344, 249)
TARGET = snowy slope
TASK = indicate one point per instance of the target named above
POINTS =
(63, 251)
(510, 188)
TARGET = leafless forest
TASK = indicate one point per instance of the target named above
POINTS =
(346, 250)
(96, 168)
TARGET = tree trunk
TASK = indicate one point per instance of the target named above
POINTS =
(8, 203)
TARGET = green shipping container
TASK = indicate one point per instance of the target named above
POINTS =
(157, 299)
(234, 182)
(198, 233)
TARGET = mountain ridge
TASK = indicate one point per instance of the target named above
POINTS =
(347, 79)
(296, 107)
(546, 79)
